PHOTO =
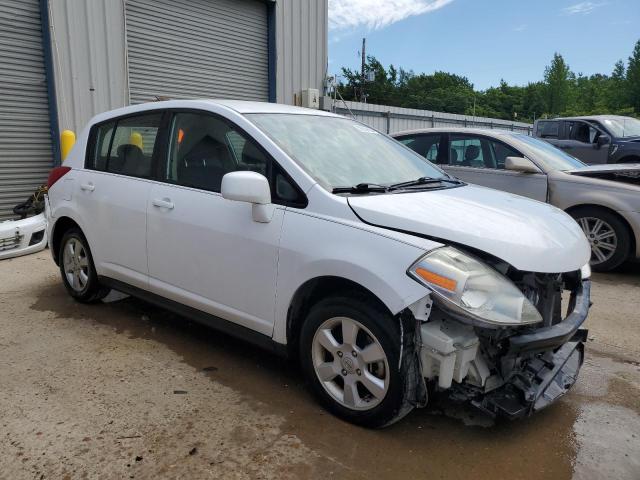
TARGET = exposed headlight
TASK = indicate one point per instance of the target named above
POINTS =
(465, 282)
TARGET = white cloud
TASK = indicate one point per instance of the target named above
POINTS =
(375, 14)
(583, 8)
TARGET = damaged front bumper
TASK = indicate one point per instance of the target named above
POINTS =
(22, 237)
(513, 375)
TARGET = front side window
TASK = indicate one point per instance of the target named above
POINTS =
(126, 146)
(500, 151)
(338, 152)
(468, 151)
(203, 148)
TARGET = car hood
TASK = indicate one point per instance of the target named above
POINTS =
(628, 173)
(529, 235)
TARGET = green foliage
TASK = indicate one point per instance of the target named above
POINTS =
(560, 93)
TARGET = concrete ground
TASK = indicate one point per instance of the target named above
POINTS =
(126, 390)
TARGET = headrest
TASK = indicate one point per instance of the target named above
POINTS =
(471, 153)
(129, 150)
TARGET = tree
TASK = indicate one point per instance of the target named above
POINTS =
(557, 76)
(633, 79)
(617, 95)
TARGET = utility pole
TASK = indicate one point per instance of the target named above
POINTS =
(362, 67)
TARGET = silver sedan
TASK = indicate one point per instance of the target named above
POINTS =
(604, 199)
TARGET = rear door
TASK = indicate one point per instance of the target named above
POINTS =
(481, 160)
(112, 193)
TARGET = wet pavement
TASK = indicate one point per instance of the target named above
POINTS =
(128, 390)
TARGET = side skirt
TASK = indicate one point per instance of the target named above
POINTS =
(233, 329)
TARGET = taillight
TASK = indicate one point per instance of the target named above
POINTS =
(56, 174)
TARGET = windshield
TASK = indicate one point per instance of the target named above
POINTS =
(550, 157)
(621, 127)
(338, 152)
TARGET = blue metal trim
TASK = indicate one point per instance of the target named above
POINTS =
(272, 50)
(50, 79)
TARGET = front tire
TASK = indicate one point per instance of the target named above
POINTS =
(77, 269)
(350, 354)
(608, 235)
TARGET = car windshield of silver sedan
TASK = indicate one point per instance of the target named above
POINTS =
(347, 157)
(550, 157)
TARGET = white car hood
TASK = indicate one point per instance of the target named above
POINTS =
(529, 235)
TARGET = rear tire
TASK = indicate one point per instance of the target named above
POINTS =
(371, 388)
(608, 236)
(77, 269)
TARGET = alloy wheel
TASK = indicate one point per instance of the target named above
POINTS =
(350, 363)
(76, 264)
(601, 236)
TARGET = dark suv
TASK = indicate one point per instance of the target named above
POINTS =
(594, 139)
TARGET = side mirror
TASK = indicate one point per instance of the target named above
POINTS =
(520, 164)
(603, 140)
(249, 187)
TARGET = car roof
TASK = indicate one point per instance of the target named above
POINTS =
(586, 117)
(239, 106)
(479, 131)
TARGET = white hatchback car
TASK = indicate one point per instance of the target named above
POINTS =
(317, 236)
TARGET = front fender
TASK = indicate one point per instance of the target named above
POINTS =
(312, 247)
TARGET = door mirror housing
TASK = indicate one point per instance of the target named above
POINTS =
(249, 187)
(603, 140)
(520, 164)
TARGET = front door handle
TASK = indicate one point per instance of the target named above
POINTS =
(163, 203)
(89, 187)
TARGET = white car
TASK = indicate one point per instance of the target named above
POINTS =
(317, 236)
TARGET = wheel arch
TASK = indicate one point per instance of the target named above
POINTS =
(61, 225)
(315, 289)
(611, 211)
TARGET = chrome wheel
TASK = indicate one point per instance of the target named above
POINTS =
(601, 236)
(350, 363)
(76, 264)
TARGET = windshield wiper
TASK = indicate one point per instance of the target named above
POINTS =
(424, 181)
(362, 188)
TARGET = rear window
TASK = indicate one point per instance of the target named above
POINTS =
(125, 146)
(547, 129)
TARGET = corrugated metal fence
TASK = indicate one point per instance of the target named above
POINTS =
(395, 119)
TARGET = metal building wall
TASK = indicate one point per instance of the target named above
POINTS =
(26, 153)
(89, 57)
(301, 44)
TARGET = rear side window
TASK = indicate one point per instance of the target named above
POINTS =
(125, 146)
(427, 146)
(548, 129)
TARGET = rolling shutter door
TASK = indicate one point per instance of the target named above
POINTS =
(197, 49)
(25, 137)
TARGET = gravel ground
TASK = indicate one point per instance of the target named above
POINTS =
(126, 390)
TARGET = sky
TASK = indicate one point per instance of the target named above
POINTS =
(484, 40)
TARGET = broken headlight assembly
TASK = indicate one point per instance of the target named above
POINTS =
(473, 289)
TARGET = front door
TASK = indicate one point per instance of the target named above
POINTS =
(205, 251)
(481, 160)
(580, 140)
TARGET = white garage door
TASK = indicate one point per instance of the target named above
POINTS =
(197, 49)
(25, 137)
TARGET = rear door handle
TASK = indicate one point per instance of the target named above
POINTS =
(163, 203)
(89, 187)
